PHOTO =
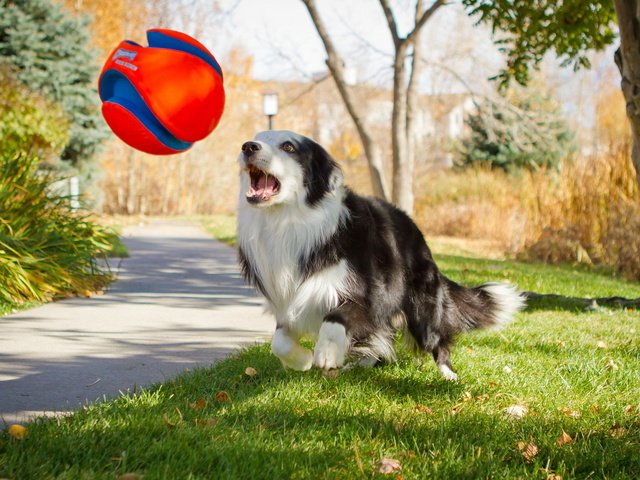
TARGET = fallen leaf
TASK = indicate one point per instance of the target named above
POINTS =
(564, 439)
(529, 450)
(424, 409)
(222, 396)
(130, 476)
(198, 404)
(492, 384)
(515, 411)
(554, 476)
(569, 412)
(17, 431)
(482, 398)
(209, 422)
(250, 372)
(594, 408)
(388, 465)
(631, 409)
(466, 396)
(168, 422)
(601, 344)
(611, 365)
(617, 431)
(333, 373)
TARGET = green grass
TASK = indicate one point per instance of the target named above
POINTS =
(576, 372)
(222, 227)
(115, 248)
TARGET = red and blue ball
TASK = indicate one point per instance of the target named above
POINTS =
(162, 98)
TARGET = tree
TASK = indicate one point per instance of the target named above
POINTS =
(404, 96)
(525, 33)
(49, 52)
(521, 129)
(570, 28)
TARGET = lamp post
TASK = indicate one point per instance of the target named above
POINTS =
(270, 106)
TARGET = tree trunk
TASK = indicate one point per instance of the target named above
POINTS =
(627, 58)
(402, 173)
(335, 64)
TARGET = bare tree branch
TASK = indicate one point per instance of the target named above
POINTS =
(425, 18)
(336, 67)
(391, 21)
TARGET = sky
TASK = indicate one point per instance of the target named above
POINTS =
(282, 39)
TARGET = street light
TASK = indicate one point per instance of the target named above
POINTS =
(270, 106)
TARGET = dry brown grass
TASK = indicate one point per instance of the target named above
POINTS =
(587, 212)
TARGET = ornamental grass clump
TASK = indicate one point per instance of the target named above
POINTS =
(47, 250)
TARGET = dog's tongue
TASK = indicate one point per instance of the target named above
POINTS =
(265, 187)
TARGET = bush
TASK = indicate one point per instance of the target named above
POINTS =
(29, 124)
(515, 132)
(46, 250)
(586, 211)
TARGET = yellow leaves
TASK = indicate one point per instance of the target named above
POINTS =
(222, 396)
(569, 412)
(17, 431)
(554, 476)
(333, 373)
(423, 409)
(208, 423)
(564, 439)
(198, 404)
(529, 450)
(617, 431)
(515, 411)
(611, 365)
(387, 466)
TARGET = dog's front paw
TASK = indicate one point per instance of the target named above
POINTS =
(331, 348)
(301, 359)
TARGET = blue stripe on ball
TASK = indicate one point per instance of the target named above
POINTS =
(116, 88)
(160, 40)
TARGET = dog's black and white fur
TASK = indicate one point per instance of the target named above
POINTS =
(346, 270)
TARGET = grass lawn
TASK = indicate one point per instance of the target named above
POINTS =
(576, 372)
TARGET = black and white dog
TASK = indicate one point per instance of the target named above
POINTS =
(346, 270)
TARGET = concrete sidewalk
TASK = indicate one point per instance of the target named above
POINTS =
(180, 302)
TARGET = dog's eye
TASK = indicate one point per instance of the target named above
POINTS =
(288, 147)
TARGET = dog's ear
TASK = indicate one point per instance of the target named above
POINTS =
(323, 173)
(336, 178)
(328, 169)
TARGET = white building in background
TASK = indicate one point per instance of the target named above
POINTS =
(318, 109)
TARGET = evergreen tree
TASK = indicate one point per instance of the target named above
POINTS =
(50, 52)
(517, 131)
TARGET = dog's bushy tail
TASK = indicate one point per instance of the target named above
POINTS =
(489, 305)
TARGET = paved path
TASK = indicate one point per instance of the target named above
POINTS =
(180, 302)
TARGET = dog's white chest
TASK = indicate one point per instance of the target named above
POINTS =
(274, 254)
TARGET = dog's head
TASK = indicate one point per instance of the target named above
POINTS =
(279, 167)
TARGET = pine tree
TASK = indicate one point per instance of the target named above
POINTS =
(516, 131)
(50, 52)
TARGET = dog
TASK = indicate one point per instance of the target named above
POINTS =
(345, 270)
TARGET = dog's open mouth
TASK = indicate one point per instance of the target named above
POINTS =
(263, 185)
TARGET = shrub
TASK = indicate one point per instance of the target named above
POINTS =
(516, 131)
(46, 250)
(586, 211)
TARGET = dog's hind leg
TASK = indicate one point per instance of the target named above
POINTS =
(441, 357)
(288, 350)
(349, 328)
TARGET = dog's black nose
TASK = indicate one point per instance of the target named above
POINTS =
(249, 148)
